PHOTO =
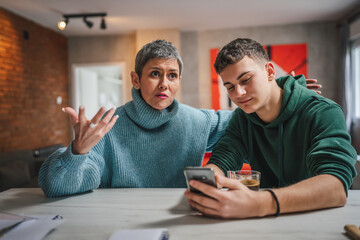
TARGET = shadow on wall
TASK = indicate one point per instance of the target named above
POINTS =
(355, 141)
(356, 181)
(355, 135)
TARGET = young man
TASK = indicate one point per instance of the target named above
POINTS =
(296, 138)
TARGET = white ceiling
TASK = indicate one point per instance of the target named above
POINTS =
(126, 16)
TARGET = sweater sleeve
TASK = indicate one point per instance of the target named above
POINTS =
(219, 122)
(229, 153)
(331, 151)
(65, 173)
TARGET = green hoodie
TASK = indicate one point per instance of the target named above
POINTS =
(308, 138)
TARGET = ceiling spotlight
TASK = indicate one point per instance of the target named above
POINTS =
(62, 24)
(88, 23)
(103, 24)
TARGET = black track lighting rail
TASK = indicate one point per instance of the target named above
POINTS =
(85, 15)
(62, 23)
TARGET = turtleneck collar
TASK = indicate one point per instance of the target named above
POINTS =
(142, 114)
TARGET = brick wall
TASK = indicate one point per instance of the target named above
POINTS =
(33, 73)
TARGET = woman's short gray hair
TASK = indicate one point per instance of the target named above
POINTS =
(156, 49)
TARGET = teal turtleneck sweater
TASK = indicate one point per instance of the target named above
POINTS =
(145, 148)
(308, 138)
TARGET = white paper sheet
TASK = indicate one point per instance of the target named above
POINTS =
(33, 228)
(7, 221)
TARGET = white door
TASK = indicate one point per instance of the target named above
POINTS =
(88, 91)
(97, 86)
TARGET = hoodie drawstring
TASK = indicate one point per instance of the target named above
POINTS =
(280, 150)
(250, 141)
(281, 154)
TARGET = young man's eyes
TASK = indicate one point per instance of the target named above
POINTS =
(229, 88)
(245, 80)
(242, 82)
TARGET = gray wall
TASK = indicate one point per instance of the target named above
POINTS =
(190, 75)
(321, 39)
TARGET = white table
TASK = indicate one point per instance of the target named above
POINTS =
(97, 214)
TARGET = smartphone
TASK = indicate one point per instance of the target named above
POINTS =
(205, 175)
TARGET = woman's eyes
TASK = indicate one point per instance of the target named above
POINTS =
(155, 74)
(230, 88)
(172, 76)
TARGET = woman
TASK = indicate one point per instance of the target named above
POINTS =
(147, 143)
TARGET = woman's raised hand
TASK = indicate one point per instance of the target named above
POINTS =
(89, 132)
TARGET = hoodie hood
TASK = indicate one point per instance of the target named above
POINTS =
(293, 87)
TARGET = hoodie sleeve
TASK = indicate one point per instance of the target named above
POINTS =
(219, 122)
(331, 151)
(64, 173)
(229, 153)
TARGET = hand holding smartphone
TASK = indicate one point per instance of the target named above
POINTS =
(205, 175)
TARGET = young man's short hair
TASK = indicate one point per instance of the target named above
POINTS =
(237, 50)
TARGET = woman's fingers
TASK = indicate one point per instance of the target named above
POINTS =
(82, 119)
(313, 86)
(96, 119)
(111, 123)
(89, 132)
(107, 117)
(72, 113)
(309, 81)
(107, 122)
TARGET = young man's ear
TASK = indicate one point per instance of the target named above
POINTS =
(270, 68)
(135, 80)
